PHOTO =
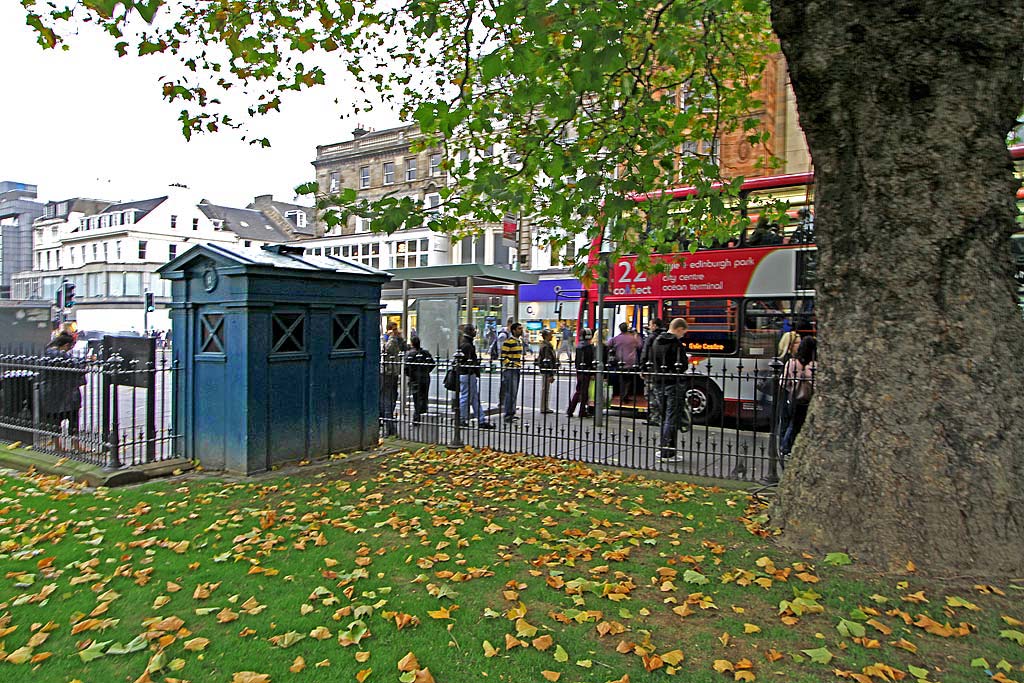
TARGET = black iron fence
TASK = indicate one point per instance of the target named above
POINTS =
(724, 419)
(105, 411)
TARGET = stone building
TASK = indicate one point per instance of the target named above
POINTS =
(18, 209)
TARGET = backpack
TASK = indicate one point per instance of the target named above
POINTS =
(499, 339)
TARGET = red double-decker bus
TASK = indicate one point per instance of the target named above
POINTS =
(738, 300)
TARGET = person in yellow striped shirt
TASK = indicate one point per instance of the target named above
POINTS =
(511, 370)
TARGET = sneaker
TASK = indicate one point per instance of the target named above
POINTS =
(486, 425)
(667, 456)
(546, 412)
(464, 423)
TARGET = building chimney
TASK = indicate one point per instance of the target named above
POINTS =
(359, 131)
(263, 201)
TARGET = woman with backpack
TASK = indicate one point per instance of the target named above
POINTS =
(798, 383)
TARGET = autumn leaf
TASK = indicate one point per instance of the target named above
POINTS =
(560, 654)
(551, 675)
(673, 658)
(196, 644)
(722, 666)
(751, 628)
(1015, 636)
(408, 663)
(819, 655)
(286, 640)
(542, 643)
(320, 633)
(363, 674)
(249, 677)
(298, 665)
(489, 650)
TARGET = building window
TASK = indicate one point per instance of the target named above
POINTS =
(142, 250)
(410, 253)
(195, 223)
(248, 243)
(174, 222)
(432, 202)
(56, 257)
(435, 165)
(335, 182)
(362, 224)
(129, 217)
(463, 155)
(48, 260)
(364, 177)
(95, 252)
(115, 219)
(106, 251)
(488, 151)
(104, 221)
(389, 172)
(172, 251)
(297, 217)
(410, 169)
(117, 250)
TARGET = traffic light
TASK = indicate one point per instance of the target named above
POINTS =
(69, 294)
(58, 297)
(150, 307)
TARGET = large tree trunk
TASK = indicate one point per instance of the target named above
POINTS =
(914, 448)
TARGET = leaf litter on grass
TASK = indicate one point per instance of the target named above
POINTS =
(482, 564)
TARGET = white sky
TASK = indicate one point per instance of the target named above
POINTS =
(86, 123)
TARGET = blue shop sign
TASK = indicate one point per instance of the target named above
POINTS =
(546, 290)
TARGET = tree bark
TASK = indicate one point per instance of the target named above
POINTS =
(914, 447)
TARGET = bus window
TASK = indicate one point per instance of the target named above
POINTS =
(765, 321)
(713, 324)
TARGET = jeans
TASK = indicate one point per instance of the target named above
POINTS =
(388, 398)
(673, 399)
(582, 394)
(510, 383)
(420, 390)
(796, 422)
(469, 398)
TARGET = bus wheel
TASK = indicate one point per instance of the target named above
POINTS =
(705, 401)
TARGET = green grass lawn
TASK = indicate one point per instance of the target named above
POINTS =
(486, 567)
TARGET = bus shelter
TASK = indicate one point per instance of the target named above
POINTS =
(447, 296)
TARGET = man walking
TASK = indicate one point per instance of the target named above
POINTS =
(511, 370)
(393, 350)
(565, 342)
(626, 347)
(655, 328)
(418, 366)
(668, 358)
(469, 381)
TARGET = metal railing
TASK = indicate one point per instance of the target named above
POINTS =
(103, 411)
(728, 424)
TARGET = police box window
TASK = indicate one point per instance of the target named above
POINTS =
(712, 324)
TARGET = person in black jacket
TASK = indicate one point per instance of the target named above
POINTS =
(469, 381)
(655, 328)
(669, 362)
(585, 356)
(418, 366)
(61, 397)
(548, 364)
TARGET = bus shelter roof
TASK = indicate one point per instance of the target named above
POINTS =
(456, 276)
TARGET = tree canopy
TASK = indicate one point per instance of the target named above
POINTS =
(584, 102)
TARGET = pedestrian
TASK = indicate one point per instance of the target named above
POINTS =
(511, 370)
(418, 366)
(584, 360)
(469, 381)
(668, 358)
(547, 362)
(61, 397)
(655, 328)
(798, 381)
(494, 350)
(564, 343)
(392, 361)
(626, 347)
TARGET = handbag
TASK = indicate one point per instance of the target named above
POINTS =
(803, 392)
(451, 379)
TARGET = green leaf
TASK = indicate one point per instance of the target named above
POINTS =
(94, 651)
(837, 559)
(819, 655)
(407, 677)
(920, 673)
(137, 643)
(1015, 636)
(691, 576)
(979, 663)
(560, 654)
(851, 629)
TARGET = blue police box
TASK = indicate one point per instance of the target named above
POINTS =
(278, 355)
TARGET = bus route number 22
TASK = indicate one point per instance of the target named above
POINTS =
(628, 275)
